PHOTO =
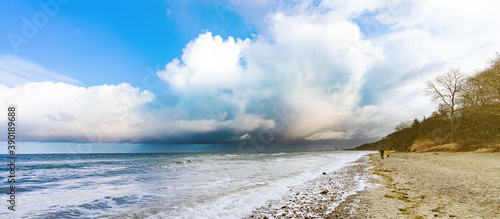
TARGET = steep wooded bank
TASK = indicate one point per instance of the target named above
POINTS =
(467, 116)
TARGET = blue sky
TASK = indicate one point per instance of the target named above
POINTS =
(232, 72)
(98, 42)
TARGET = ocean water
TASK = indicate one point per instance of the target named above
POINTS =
(201, 185)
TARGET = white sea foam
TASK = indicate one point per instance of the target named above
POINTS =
(254, 183)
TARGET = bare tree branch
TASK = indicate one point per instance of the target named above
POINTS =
(446, 88)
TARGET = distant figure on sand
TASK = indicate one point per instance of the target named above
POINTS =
(381, 153)
(387, 152)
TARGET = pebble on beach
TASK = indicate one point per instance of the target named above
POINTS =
(330, 195)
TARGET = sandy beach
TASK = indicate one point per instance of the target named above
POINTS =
(406, 185)
(434, 185)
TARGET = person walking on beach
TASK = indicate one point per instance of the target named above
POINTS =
(387, 152)
(381, 153)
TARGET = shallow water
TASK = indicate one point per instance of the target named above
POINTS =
(203, 185)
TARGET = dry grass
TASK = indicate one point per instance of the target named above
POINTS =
(443, 147)
(489, 149)
(420, 146)
(431, 146)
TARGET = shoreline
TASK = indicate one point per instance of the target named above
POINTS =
(434, 185)
(406, 185)
(331, 195)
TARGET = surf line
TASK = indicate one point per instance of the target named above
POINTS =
(11, 158)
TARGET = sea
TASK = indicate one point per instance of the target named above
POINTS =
(175, 185)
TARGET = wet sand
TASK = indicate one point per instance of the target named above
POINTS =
(434, 185)
(331, 195)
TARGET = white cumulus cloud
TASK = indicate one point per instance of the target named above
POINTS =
(344, 69)
(48, 111)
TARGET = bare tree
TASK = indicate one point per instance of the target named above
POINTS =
(446, 89)
(483, 88)
(403, 125)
